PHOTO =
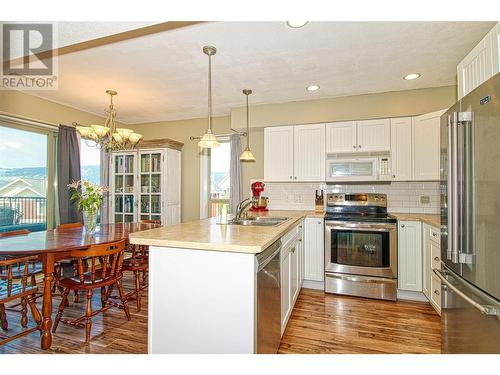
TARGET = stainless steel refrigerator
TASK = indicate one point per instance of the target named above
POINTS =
(470, 222)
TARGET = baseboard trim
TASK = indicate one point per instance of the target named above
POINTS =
(310, 284)
(412, 296)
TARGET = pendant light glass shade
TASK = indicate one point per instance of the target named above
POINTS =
(209, 140)
(247, 155)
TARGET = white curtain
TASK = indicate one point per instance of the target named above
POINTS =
(236, 185)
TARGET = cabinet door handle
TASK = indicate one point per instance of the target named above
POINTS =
(393, 176)
(295, 177)
(402, 225)
(437, 259)
(290, 177)
(354, 146)
(359, 146)
(436, 292)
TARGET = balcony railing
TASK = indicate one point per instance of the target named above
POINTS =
(23, 212)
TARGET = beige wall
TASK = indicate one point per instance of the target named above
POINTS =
(391, 104)
(20, 104)
(359, 107)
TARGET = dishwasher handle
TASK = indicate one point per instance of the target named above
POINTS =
(267, 255)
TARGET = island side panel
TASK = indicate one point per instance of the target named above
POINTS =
(201, 301)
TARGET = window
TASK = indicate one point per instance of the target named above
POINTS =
(24, 176)
(90, 161)
(219, 185)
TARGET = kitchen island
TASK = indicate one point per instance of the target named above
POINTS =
(203, 283)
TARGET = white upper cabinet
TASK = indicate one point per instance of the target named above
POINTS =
(294, 153)
(309, 152)
(358, 136)
(374, 135)
(480, 64)
(341, 137)
(426, 146)
(278, 153)
(401, 149)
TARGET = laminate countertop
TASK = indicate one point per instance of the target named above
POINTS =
(434, 220)
(208, 235)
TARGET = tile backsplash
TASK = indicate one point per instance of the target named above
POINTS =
(402, 197)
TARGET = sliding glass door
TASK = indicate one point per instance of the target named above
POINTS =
(26, 175)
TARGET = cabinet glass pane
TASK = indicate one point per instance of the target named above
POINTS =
(129, 203)
(118, 203)
(145, 163)
(129, 163)
(155, 183)
(118, 218)
(155, 204)
(118, 184)
(119, 164)
(129, 219)
(145, 183)
(156, 217)
(144, 217)
(145, 203)
(129, 184)
(156, 163)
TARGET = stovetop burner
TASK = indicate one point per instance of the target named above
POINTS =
(366, 207)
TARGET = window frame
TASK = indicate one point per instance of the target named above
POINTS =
(52, 204)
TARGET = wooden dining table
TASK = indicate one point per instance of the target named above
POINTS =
(52, 246)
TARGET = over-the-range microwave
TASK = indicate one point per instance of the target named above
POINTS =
(359, 168)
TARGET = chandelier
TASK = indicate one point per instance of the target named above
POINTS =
(108, 137)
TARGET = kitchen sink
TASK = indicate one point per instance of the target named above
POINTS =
(262, 221)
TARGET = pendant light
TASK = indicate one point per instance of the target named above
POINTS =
(246, 155)
(209, 140)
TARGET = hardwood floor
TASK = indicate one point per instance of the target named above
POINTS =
(325, 323)
(111, 332)
(320, 324)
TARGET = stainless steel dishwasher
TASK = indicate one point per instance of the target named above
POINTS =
(269, 299)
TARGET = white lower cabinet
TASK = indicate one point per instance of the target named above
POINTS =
(431, 260)
(314, 249)
(291, 269)
(410, 256)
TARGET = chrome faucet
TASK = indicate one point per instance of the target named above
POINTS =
(241, 207)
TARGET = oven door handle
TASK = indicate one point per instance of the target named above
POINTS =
(360, 226)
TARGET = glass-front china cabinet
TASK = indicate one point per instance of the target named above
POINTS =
(145, 185)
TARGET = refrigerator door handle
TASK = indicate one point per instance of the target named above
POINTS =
(453, 219)
(484, 309)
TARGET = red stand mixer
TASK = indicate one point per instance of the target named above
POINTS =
(259, 203)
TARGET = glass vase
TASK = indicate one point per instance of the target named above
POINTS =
(89, 221)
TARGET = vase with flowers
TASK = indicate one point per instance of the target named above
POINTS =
(88, 197)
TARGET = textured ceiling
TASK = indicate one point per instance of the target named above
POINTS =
(164, 76)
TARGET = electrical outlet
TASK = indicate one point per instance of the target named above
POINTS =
(425, 199)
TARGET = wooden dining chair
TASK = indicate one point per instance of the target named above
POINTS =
(33, 269)
(105, 273)
(61, 264)
(137, 261)
(14, 285)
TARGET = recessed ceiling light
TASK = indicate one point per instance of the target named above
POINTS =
(296, 24)
(312, 88)
(411, 76)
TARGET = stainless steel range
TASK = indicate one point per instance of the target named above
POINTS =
(360, 246)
